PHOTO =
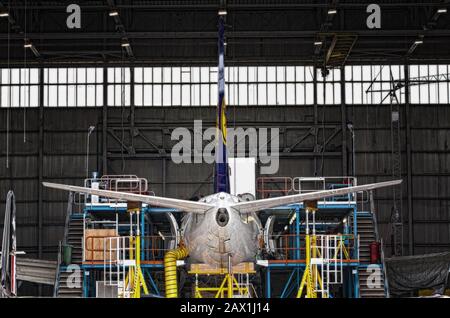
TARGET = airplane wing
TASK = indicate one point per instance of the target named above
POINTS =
(258, 205)
(182, 205)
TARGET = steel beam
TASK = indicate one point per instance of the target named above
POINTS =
(344, 125)
(202, 35)
(213, 5)
(409, 163)
(105, 123)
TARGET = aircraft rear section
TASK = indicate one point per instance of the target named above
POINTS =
(319, 249)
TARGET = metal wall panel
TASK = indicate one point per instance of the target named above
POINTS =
(64, 160)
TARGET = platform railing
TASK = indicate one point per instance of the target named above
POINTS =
(312, 184)
(291, 247)
(153, 247)
(273, 186)
(120, 183)
(281, 186)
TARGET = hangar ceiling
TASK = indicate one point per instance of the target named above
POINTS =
(172, 32)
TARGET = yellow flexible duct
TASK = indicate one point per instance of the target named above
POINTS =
(170, 270)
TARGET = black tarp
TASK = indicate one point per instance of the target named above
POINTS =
(411, 273)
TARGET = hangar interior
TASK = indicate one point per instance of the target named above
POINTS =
(353, 105)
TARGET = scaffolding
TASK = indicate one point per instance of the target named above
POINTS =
(235, 281)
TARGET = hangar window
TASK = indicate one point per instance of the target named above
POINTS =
(19, 87)
(175, 86)
(372, 84)
(119, 86)
(429, 84)
(73, 87)
(269, 85)
(245, 86)
(329, 87)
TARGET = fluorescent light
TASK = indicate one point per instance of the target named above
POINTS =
(28, 45)
(332, 11)
(222, 12)
(417, 42)
(292, 219)
(125, 42)
(443, 10)
(4, 14)
(113, 13)
(318, 43)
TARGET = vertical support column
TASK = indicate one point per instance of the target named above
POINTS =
(40, 159)
(316, 115)
(142, 233)
(355, 229)
(105, 123)
(356, 285)
(297, 232)
(409, 162)
(344, 124)
(268, 287)
(86, 282)
(230, 278)
(40, 165)
(132, 108)
(164, 177)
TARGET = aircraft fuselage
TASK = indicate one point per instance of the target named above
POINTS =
(222, 233)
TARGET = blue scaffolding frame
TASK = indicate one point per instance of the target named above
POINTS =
(297, 268)
(146, 268)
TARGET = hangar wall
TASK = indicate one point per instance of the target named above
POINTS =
(40, 215)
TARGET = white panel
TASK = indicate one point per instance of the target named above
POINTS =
(242, 175)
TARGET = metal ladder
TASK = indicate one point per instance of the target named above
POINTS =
(117, 263)
(330, 257)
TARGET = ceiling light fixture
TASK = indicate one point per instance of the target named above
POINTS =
(332, 11)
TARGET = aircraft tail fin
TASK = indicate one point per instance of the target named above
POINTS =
(221, 174)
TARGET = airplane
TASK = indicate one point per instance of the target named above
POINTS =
(222, 228)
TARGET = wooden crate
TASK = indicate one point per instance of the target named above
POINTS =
(95, 240)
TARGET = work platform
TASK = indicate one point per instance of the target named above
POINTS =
(283, 255)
